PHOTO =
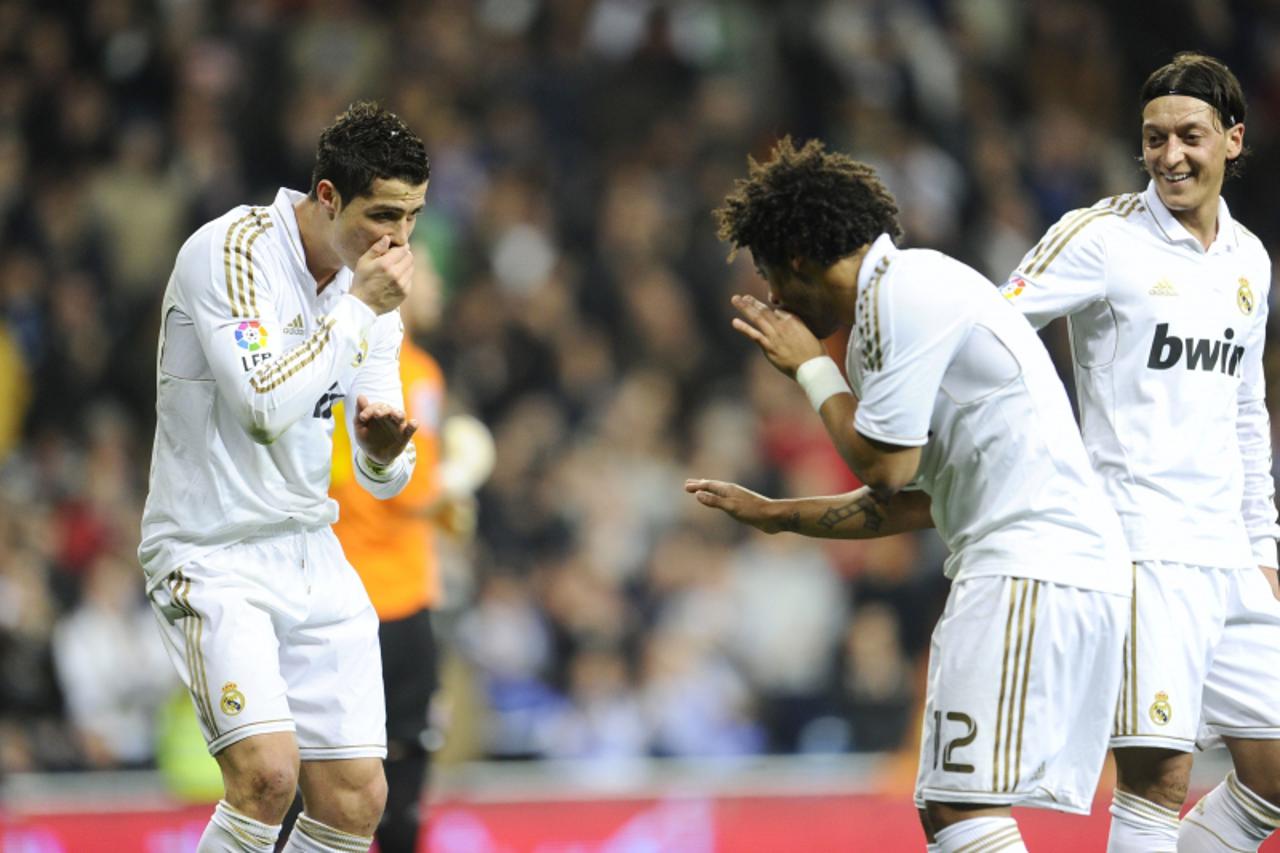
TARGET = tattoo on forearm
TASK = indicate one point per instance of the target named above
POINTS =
(866, 505)
(791, 524)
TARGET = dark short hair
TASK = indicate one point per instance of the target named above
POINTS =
(1197, 75)
(806, 204)
(364, 144)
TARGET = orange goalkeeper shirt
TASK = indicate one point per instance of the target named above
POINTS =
(391, 543)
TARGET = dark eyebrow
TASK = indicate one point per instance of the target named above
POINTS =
(390, 208)
(1181, 127)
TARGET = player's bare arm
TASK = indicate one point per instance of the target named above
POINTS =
(886, 468)
(787, 342)
(382, 431)
(859, 514)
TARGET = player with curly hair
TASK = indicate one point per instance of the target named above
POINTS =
(957, 420)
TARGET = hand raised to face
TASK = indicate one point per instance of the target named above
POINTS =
(783, 338)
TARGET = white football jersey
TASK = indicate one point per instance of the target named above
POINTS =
(1167, 341)
(250, 363)
(937, 359)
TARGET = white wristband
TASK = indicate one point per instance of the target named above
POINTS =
(821, 379)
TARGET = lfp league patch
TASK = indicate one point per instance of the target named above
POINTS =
(251, 336)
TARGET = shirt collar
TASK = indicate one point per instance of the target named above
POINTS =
(1228, 237)
(881, 248)
(283, 206)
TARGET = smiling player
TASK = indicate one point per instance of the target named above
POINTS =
(1166, 296)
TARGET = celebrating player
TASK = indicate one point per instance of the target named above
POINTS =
(957, 396)
(1166, 295)
(271, 315)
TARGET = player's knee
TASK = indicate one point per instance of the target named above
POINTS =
(374, 795)
(270, 789)
(355, 804)
(362, 806)
(261, 775)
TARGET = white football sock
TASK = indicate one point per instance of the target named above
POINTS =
(1229, 817)
(312, 836)
(1141, 826)
(229, 831)
(988, 834)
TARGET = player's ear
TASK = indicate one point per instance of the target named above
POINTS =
(328, 196)
(1235, 140)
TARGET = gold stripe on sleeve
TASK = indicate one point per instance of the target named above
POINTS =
(226, 261)
(244, 258)
(869, 319)
(875, 302)
(1052, 236)
(295, 360)
(1132, 203)
(1070, 235)
(238, 256)
(264, 225)
(1065, 225)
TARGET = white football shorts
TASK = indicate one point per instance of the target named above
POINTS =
(1023, 678)
(277, 634)
(1202, 659)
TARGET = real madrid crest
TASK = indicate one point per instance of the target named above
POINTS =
(1161, 711)
(232, 701)
(1244, 296)
(364, 351)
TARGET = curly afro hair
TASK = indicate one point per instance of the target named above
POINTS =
(364, 144)
(807, 204)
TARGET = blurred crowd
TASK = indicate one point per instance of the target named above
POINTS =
(578, 147)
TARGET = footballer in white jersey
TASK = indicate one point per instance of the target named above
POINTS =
(272, 315)
(251, 363)
(1166, 338)
(961, 423)
(1166, 297)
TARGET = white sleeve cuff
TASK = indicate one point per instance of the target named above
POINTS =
(376, 472)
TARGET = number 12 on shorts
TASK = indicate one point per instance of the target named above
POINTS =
(947, 752)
